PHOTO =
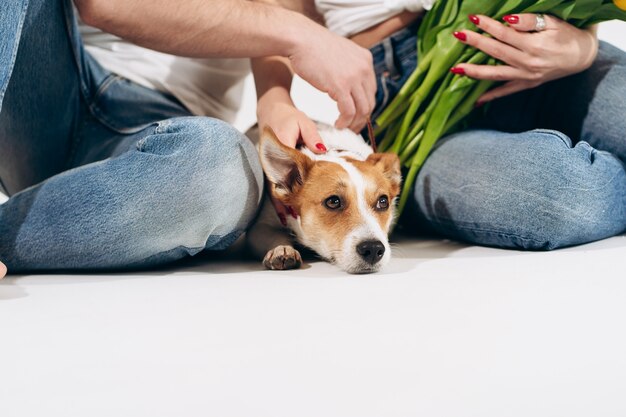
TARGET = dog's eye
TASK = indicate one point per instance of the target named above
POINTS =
(333, 202)
(382, 203)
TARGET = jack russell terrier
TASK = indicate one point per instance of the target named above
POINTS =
(341, 203)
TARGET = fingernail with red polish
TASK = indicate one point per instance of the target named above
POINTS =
(457, 71)
(460, 36)
(474, 19)
(321, 147)
(283, 219)
(511, 19)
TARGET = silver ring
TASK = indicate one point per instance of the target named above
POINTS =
(541, 23)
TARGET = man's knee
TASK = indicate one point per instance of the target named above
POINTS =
(215, 182)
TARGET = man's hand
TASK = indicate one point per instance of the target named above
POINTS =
(333, 65)
(342, 69)
(272, 77)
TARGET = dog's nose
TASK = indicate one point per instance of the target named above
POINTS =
(371, 251)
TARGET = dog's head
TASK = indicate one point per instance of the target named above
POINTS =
(344, 204)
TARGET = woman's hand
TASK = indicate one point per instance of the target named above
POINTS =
(272, 77)
(290, 125)
(530, 58)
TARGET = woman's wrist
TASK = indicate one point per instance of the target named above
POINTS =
(274, 96)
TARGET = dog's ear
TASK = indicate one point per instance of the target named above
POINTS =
(284, 167)
(389, 164)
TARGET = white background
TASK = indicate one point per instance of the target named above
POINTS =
(448, 330)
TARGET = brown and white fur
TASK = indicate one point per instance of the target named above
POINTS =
(341, 202)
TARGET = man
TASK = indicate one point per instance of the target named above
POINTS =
(103, 172)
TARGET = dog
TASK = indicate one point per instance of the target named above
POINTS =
(341, 203)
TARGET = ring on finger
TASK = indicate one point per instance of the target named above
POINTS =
(540, 23)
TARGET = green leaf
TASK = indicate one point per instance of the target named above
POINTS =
(607, 11)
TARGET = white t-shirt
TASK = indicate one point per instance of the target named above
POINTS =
(207, 87)
(349, 17)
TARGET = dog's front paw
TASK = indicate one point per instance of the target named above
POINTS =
(282, 257)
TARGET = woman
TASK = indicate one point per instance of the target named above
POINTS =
(543, 167)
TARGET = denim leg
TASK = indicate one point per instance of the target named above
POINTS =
(589, 106)
(514, 187)
(103, 173)
(39, 92)
(186, 184)
(530, 190)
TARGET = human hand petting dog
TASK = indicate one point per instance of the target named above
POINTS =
(290, 125)
(346, 74)
(531, 55)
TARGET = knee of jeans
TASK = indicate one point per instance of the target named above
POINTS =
(531, 191)
(585, 203)
(215, 181)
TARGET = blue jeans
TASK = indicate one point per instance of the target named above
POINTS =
(540, 170)
(103, 173)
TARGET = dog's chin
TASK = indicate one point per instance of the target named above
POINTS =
(358, 267)
(363, 270)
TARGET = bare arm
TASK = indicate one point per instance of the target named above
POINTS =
(201, 28)
(273, 80)
(238, 28)
(275, 108)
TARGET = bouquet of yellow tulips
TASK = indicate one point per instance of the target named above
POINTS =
(433, 102)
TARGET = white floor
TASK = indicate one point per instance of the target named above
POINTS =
(446, 330)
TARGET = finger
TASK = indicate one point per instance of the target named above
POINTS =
(527, 22)
(311, 137)
(505, 90)
(370, 86)
(362, 110)
(499, 31)
(492, 72)
(347, 110)
(288, 134)
(493, 47)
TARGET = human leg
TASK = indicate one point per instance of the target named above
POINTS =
(39, 92)
(186, 184)
(589, 106)
(508, 206)
(100, 174)
(536, 189)
(530, 190)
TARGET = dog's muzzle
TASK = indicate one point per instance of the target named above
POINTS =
(371, 251)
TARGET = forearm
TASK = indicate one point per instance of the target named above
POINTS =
(202, 28)
(272, 78)
(305, 7)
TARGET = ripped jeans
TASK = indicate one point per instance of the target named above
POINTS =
(539, 170)
(103, 173)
